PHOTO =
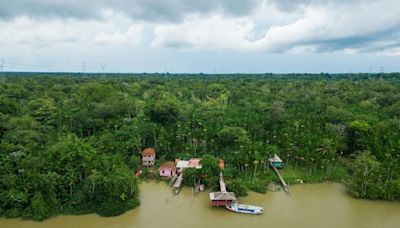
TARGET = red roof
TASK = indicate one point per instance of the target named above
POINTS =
(148, 152)
(168, 165)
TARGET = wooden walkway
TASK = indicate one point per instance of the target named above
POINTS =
(178, 183)
(222, 184)
(172, 182)
(285, 186)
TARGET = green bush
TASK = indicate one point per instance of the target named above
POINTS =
(40, 208)
(258, 187)
(116, 207)
(237, 186)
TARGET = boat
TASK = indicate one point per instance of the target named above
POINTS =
(246, 209)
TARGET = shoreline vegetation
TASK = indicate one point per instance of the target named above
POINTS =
(264, 181)
(71, 143)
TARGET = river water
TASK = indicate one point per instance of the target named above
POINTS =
(309, 205)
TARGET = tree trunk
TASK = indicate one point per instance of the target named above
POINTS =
(255, 171)
(93, 188)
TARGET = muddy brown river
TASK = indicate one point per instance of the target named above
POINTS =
(309, 205)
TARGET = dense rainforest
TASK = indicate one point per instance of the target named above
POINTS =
(71, 143)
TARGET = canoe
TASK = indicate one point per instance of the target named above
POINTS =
(246, 209)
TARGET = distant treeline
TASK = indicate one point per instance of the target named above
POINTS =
(317, 76)
(70, 143)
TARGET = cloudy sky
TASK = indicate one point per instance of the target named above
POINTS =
(210, 36)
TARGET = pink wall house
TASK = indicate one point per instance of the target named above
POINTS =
(167, 169)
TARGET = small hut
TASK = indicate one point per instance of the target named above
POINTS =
(148, 157)
(222, 198)
(181, 165)
(195, 163)
(167, 169)
(276, 161)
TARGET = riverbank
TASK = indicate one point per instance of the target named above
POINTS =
(311, 205)
(241, 184)
(292, 176)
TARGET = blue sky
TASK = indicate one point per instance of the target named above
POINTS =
(210, 36)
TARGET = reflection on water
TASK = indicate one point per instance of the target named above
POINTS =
(310, 205)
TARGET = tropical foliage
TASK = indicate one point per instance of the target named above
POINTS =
(70, 143)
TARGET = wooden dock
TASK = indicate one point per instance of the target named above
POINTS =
(222, 184)
(172, 182)
(285, 186)
(178, 183)
(222, 198)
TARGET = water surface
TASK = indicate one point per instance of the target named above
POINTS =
(310, 205)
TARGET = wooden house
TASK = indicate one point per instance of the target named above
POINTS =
(148, 157)
(181, 165)
(167, 169)
(222, 198)
(276, 161)
(195, 163)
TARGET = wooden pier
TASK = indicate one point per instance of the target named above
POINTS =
(174, 178)
(285, 186)
(222, 184)
(222, 197)
(178, 183)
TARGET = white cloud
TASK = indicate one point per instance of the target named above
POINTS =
(145, 10)
(309, 26)
(132, 36)
(34, 33)
(34, 43)
(25, 31)
(212, 33)
(65, 32)
(321, 28)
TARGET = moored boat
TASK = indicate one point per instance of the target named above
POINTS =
(246, 209)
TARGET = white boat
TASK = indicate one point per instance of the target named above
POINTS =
(246, 209)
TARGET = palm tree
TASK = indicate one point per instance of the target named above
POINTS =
(255, 170)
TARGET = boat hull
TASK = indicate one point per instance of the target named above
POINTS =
(245, 209)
